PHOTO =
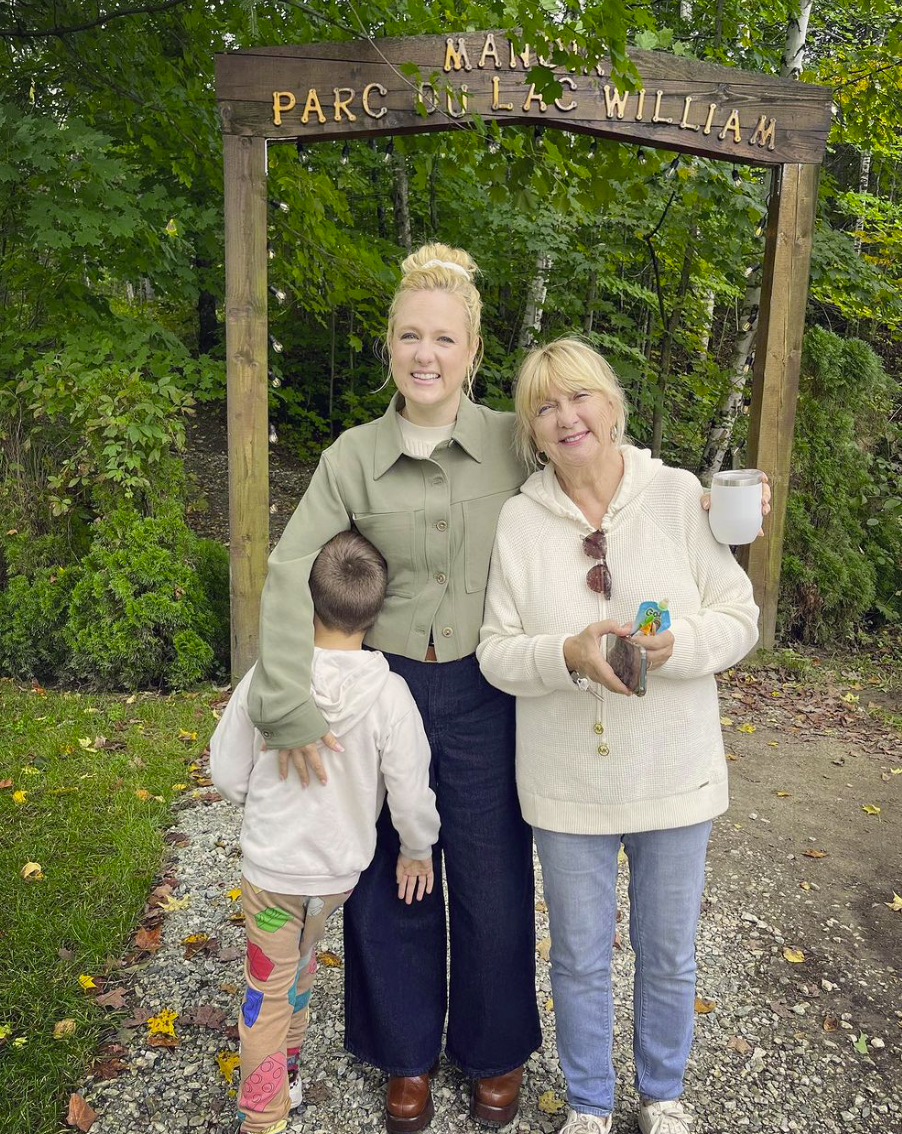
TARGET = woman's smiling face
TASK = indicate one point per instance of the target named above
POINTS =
(431, 354)
(573, 428)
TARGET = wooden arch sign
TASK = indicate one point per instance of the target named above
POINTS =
(327, 91)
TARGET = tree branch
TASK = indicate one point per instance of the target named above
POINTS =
(22, 33)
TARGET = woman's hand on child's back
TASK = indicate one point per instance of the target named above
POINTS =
(306, 758)
(415, 878)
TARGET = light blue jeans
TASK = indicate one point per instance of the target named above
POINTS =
(667, 875)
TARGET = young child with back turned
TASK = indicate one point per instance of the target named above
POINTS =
(304, 847)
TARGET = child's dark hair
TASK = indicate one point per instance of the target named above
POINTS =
(347, 583)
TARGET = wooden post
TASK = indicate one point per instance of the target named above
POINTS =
(247, 387)
(778, 355)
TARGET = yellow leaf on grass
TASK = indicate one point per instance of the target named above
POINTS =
(169, 903)
(86, 982)
(30, 770)
(850, 698)
(746, 728)
(20, 1041)
(228, 1061)
(703, 1005)
(549, 1103)
(20, 796)
(234, 893)
(163, 1024)
(179, 787)
(726, 721)
(184, 734)
(6, 1031)
(85, 742)
(543, 948)
(870, 809)
(794, 956)
(32, 872)
(896, 904)
(63, 1029)
(143, 794)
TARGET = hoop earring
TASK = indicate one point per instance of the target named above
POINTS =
(541, 458)
(613, 434)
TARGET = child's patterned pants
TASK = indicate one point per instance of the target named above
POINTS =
(282, 933)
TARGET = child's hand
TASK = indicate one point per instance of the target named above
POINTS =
(414, 877)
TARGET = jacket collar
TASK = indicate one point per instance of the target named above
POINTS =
(468, 433)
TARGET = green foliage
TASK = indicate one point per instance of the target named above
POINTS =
(33, 613)
(843, 540)
(140, 614)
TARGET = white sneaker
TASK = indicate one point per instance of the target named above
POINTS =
(586, 1124)
(664, 1117)
(295, 1090)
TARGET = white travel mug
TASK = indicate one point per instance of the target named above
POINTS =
(735, 512)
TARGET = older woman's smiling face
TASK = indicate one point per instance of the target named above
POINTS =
(573, 428)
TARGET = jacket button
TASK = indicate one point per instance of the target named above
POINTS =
(603, 750)
(599, 727)
(441, 577)
(447, 632)
(442, 525)
(267, 733)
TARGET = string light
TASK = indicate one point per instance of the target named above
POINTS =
(275, 381)
(302, 152)
(273, 436)
(270, 252)
(670, 171)
(389, 150)
(640, 156)
(759, 231)
(737, 176)
(280, 205)
(346, 154)
(278, 293)
(275, 344)
(493, 145)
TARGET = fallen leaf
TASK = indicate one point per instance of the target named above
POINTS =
(794, 956)
(540, 905)
(329, 959)
(115, 998)
(732, 756)
(549, 1103)
(232, 953)
(80, 1114)
(86, 982)
(159, 1040)
(6, 783)
(782, 795)
(895, 771)
(138, 1017)
(870, 809)
(235, 893)
(773, 744)
(747, 728)
(896, 904)
(805, 885)
(703, 1006)
(850, 698)
(813, 853)
(163, 1024)
(20, 796)
(62, 1029)
(176, 838)
(205, 1016)
(149, 940)
(179, 787)
(861, 1044)
(111, 1068)
(32, 872)
(231, 989)
(184, 734)
(228, 1061)
(169, 903)
(195, 944)
(317, 1092)
(85, 743)
(737, 1043)
(830, 1024)
(726, 721)
(543, 948)
(549, 1004)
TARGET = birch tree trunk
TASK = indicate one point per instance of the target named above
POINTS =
(724, 419)
(864, 181)
(531, 326)
(704, 338)
(591, 296)
(673, 321)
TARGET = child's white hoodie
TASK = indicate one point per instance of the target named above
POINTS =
(317, 840)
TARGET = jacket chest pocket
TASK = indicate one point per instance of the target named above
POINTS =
(480, 521)
(391, 533)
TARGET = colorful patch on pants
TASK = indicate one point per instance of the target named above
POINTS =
(250, 1009)
(271, 919)
(258, 964)
(315, 907)
(298, 1000)
(264, 1083)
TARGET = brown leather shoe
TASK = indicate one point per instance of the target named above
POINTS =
(494, 1101)
(408, 1104)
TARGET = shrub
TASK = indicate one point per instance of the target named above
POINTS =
(843, 539)
(32, 619)
(140, 613)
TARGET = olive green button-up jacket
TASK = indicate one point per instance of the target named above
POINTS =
(433, 520)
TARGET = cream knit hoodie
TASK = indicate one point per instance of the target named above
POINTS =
(629, 764)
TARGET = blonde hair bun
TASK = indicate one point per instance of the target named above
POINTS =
(440, 258)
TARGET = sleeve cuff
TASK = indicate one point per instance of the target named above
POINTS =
(419, 854)
(549, 659)
(305, 725)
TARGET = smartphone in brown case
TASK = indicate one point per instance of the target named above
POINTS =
(629, 662)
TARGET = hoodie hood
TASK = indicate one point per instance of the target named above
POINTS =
(639, 471)
(346, 683)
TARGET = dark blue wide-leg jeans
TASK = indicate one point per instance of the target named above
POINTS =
(396, 991)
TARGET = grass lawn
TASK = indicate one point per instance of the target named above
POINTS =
(93, 817)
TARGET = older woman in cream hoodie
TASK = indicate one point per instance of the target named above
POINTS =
(599, 529)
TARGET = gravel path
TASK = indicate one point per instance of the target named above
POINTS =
(762, 1060)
